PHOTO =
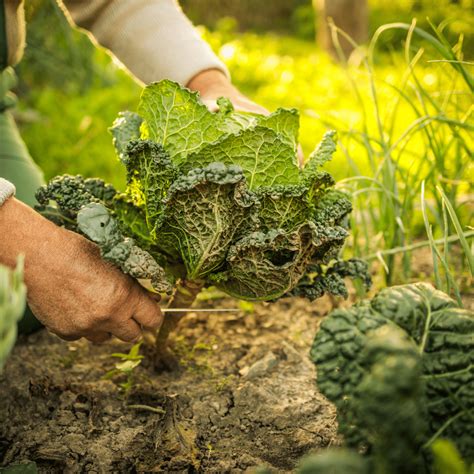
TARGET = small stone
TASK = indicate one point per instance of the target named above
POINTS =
(262, 366)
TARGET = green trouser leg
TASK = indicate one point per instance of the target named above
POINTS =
(17, 166)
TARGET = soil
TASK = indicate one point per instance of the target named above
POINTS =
(244, 396)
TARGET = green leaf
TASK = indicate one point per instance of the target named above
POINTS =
(205, 211)
(150, 174)
(286, 122)
(283, 206)
(332, 207)
(176, 119)
(97, 223)
(125, 128)
(321, 155)
(12, 306)
(265, 158)
(447, 459)
(442, 334)
(264, 266)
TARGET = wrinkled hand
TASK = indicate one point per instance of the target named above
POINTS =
(71, 290)
(212, 84)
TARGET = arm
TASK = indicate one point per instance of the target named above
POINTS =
(155, 40)
(71, 290)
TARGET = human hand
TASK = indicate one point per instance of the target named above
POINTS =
(70, 289)
(213, 83)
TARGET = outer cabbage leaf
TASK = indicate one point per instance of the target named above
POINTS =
(332, 208)
(266, 159)
(320, 279)
(205, 211)
(150, 175)
(444, 336)
(322, 154)
(283, 207)
(265, 266)
(183, 125)
(285, 122)
(125, 128)
(132, 220)
(176, 119)
(97, 223)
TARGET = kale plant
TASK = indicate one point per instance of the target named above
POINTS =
(400, 370)
(213, 199)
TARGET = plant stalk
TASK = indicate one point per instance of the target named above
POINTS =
(185, 293)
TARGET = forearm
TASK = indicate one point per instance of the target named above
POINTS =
(25, 232)
(153, 39)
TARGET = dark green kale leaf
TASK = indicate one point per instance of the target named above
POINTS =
(97, 223)
(125, 128)
(443, 335)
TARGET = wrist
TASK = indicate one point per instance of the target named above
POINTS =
(212, 83)
(7, 190)
(28, 233)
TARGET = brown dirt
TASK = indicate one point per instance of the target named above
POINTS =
(244, 396)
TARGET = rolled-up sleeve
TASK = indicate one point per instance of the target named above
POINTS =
(152, 38)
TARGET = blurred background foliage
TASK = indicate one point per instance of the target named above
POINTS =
(402, 105)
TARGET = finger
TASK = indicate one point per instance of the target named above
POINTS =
(148, 313)
(128, 331)
(66, 337)
(99, 337)
(211, 104)
(154, 296)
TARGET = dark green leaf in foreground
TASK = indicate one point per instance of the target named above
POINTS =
(443, 336)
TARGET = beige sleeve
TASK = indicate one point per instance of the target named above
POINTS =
(152, 38)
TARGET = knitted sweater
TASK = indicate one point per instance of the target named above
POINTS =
(152, 38)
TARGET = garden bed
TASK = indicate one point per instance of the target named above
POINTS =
(244, 395)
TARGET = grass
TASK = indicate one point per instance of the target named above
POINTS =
(432, 146)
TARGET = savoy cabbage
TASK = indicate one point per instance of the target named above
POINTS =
(400, 370)
(214, 198)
